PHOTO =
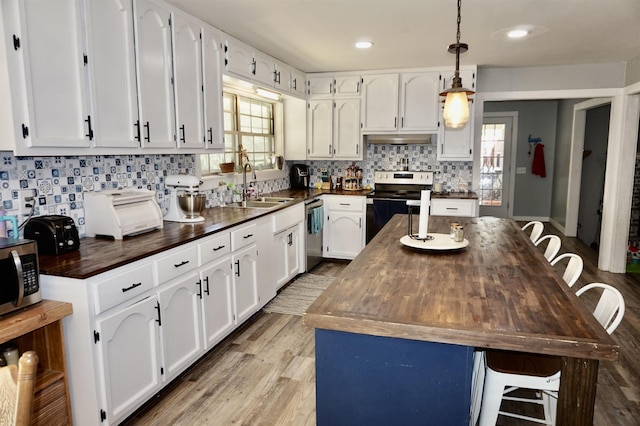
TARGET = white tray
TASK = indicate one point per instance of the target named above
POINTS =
(439, 242)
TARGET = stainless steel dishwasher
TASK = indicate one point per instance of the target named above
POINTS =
(315, 223)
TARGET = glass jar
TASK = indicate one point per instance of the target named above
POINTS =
(459, 234)
(452, 230)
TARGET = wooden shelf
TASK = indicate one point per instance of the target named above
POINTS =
(39, 328)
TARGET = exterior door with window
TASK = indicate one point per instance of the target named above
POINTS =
(495, 166)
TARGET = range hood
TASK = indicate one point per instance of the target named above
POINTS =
(399, 139)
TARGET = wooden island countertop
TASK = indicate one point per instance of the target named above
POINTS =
(497, 293)
(399, 322)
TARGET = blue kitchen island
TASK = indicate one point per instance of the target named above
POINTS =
(397, 329)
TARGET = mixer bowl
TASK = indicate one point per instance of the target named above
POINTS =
(192, 204)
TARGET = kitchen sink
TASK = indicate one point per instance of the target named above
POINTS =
(274, 199)
(262, 203)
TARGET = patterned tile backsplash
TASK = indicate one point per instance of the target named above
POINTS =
(57, 183)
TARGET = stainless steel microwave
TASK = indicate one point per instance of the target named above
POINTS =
(19, 285)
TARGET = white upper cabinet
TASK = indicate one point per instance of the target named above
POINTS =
(380, 103)
(401, 103)
(48, 81)
(333, 129)
(111, 63)
(238, 58)
(456, 144)
(264, 69)
(297, 82)
(418, 107)
(334, 86)
(320, 128)
(212, 57)
(155, 75)
(346, 129)
(187, 63)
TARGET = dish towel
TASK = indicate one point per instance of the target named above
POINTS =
(537, 166)
(316, 221)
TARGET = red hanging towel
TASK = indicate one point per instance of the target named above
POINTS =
(537, 166)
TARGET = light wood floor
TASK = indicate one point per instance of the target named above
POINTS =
(263, 374)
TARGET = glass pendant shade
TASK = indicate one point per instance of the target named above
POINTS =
(456, 109)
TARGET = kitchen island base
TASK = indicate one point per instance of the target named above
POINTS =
(372, 380)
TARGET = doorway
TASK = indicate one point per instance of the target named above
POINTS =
(495, 190)
(594, 160)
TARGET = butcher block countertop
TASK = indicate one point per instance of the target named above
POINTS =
(98, 255)
(499, 292)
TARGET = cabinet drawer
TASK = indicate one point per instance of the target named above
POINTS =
(288, 217)
(176, 263)
(123, 286)
(463, 208)
(243, 236)
(346, 202)
(214, 247)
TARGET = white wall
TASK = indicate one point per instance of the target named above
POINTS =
(570, 77)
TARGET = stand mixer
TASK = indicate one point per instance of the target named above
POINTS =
(185, 202)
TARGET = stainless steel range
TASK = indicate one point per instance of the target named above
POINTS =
(390, 195)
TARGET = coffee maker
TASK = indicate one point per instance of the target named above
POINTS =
(299, 176)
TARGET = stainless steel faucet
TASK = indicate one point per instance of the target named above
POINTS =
(244, 181)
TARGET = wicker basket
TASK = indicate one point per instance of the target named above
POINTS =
(227, 167)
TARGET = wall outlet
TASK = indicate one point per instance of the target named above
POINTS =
(521, 170)
(26, 197)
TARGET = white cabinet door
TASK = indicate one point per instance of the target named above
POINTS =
(239, 58)
(245, 282)
(293, 252)
(344, 234)
(48, 59)
(346, 85)
(286, 259)
(322, 86)
(264, 69)
(346, 129)
(279, 258)
(128, 357)
(180, 324)
(380, 105)
(187, 63)
(212, 78)
(419, 96)
(154, 61)
(457, 144)
(111, 63)
(217, 301)
(297, 82)
(319, 128)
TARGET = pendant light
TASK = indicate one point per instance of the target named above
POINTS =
(456, 104)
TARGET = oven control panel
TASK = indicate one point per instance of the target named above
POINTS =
(403, 177)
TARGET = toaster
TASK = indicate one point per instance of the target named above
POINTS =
(54, 234)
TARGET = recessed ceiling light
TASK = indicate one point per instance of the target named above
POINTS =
(517, 33)
(363, 44)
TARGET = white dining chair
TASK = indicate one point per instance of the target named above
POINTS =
(507, 371)
(574, 267)
(536, 229)
(553, 246)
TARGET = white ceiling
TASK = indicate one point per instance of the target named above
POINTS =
(318, 35)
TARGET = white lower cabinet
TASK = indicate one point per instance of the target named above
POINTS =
(344, 233)
(137, 327)
(180, 324)
(217, 301)
(128, 360)
(454, 207)
(245, 282)
(287, 255)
